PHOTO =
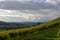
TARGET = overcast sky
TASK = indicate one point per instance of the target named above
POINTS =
(29, 10)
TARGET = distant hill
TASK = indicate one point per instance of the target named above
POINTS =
(47, 31)
(15, 25)
(1, 22)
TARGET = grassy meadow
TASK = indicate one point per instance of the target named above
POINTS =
(47, 31)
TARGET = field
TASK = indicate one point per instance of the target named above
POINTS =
(47, 31)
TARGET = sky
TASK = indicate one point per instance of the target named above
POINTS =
(29, 10)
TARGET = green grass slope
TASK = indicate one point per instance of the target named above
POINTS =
(47, 31)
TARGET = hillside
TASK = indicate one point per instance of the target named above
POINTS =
(47, 31)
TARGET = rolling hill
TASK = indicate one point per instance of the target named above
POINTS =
(47, 31)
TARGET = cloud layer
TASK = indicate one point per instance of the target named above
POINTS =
(29, 10)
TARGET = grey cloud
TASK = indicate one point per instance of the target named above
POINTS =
(49, 11)
(14, 5)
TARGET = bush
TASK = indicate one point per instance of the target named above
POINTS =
(12, 35)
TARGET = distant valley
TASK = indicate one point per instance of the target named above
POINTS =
(15, 25)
